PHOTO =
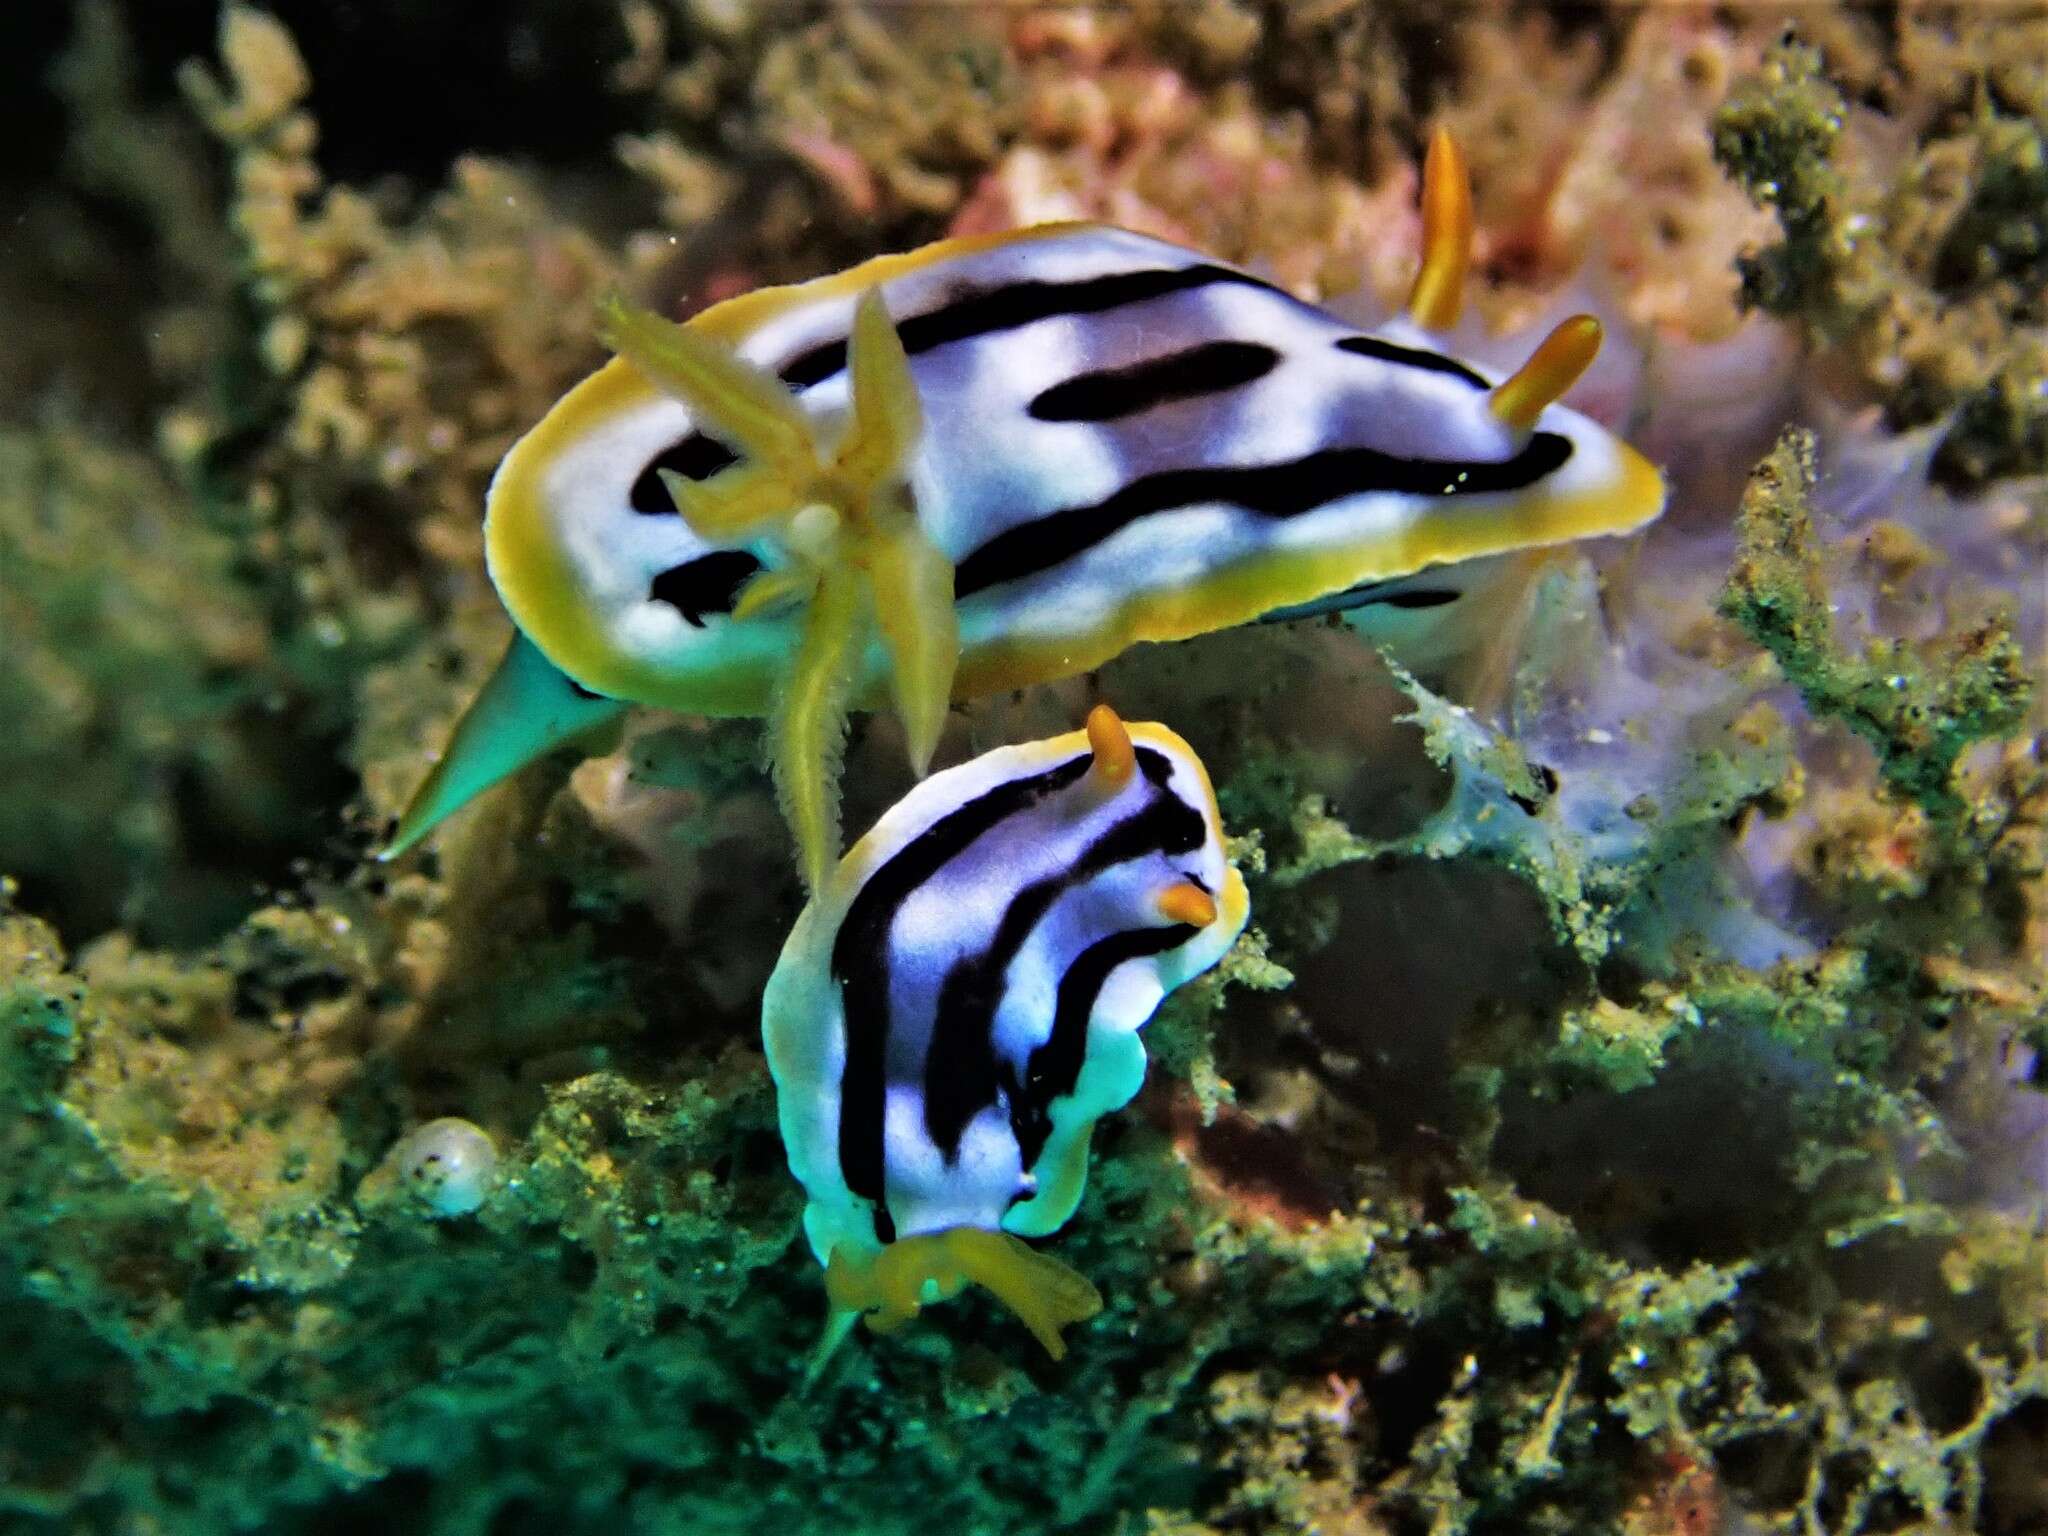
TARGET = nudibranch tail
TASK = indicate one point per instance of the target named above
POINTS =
(1553, 368)
(1439, 292)
(526, 710)
(890, 1288)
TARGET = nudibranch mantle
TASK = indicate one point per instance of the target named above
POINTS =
(1124, 440)
(960, 1002)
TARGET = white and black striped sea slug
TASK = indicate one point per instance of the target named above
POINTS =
(1002, 460)
(960, 1003)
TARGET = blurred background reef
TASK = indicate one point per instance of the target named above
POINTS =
(1626, 1112)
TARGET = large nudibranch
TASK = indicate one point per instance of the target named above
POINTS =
(960, 1003)
(999, 461)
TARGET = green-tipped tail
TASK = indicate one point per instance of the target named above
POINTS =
(527, 709)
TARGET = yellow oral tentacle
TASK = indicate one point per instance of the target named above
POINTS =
(731, 398)
(809, 727)
(910, 577)
(886, 415)
(913, 589)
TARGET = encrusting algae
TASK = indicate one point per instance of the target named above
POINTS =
(1625, 1109)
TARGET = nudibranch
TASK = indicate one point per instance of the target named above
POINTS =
(960, 1003)
(998, 461)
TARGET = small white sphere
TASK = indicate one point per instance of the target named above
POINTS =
(449, 1164)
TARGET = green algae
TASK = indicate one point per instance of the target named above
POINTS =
(1621, 1047)
(1777, 137)
(1923, 271)
(1921, 708)
(641, 1222)
(159, 759)
(646, 1236)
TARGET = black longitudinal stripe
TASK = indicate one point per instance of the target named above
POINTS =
(860, 961)
(708, 584)
(1268, 490)
(961, 1072)
(978, 312)
(1212, 368)
(1412, 357)
(1055, 1066)
(983, 311)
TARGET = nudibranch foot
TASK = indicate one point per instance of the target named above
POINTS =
(891, 1287)
(852, 553)
(527, 709)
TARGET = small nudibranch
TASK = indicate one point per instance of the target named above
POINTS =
(999, 461)
(960, 1003)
